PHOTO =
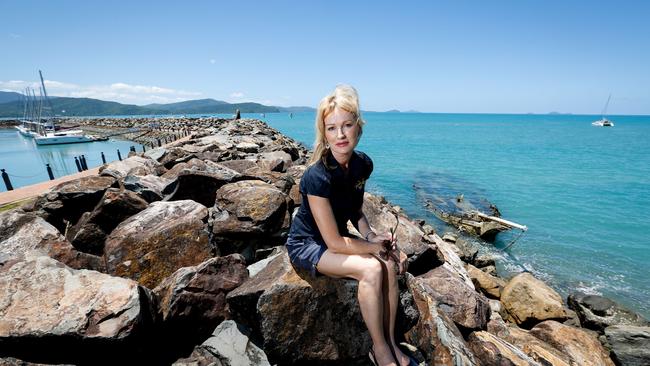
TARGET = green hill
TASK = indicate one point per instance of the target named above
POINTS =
(6, 97)
(95, 107)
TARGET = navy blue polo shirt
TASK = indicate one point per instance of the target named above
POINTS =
(345, 193)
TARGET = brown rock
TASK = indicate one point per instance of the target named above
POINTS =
(200, 184)
(537, 349)
(192, 301)
(490, 350)
(529, 301)
(300, 318)
(116, 205)
(580, 347)
(466, 307)
(435, 334)
(64, 313)
(135, 165)
(154, 243)
(66, 202)
(489, 285)
(22, 233)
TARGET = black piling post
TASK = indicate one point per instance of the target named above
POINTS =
(49, 171)
(76, 161)
(132, 148)
(159, 144)
(84, 165)
(5, 177)
(103, 158)
(143, 149)
(119, 156)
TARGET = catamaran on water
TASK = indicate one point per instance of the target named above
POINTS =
(603, 121)
(39, 122)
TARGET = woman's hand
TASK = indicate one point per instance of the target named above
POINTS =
(384, 243)
(400, 259)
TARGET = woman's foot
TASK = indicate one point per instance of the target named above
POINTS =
(382, 356)
(403, 359)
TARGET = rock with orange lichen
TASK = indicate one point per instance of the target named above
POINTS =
(154, 243)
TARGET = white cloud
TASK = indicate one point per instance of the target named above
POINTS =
(237, 95)
(118, 92)
(212, 61)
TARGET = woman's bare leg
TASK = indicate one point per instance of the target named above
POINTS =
(391, 301)
(368, 271)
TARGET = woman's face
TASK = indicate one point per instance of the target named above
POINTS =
(341, 131)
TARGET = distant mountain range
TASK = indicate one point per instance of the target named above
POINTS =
(11, 105)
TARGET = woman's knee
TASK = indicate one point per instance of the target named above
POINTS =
(372, 270)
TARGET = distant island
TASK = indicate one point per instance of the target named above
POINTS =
(11, 105)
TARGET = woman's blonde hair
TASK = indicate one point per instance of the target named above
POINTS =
(344, 97)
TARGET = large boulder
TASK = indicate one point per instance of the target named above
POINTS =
(246, 211)
(66, 202)
(52, 312)
(155, 242)
(534, 347)
(490, 350)
(150, 187)
(22, 233)
(135, 165)
(435, 334)
(579, 346)
(529, 301)
(116, 205)
(466, 307)
(192, 301)
(230, 343)
(598, 312)
(491, 286)
(299, 318)
(381, 217)
(277, 161)
(630, 344)
(200, 183)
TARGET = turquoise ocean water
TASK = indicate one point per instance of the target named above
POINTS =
(583, 191)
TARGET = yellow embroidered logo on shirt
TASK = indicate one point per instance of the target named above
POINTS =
(360, 184)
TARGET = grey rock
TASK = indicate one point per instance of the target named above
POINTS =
(230, 342)
(598, 312)
(629, 344)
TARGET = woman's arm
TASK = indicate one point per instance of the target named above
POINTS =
(364, 227)
(324, 217)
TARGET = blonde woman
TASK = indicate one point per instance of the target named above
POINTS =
(332, 189)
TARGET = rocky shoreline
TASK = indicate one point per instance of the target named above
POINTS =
(175, 256)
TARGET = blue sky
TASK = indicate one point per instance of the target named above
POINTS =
(433, 56)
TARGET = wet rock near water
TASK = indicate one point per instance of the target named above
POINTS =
(529, 301)
(598, 312)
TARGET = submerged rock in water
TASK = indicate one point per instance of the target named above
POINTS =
(598, 312)
(154, 243)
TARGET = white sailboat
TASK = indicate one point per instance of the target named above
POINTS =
(603, 121)
(47, 132)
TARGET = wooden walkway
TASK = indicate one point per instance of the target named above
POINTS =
(23, 193)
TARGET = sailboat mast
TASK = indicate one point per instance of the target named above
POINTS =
(604, 112)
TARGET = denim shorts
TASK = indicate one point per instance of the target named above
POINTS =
(305, 253)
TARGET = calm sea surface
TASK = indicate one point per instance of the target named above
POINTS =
(25, 161)
(583, 191)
